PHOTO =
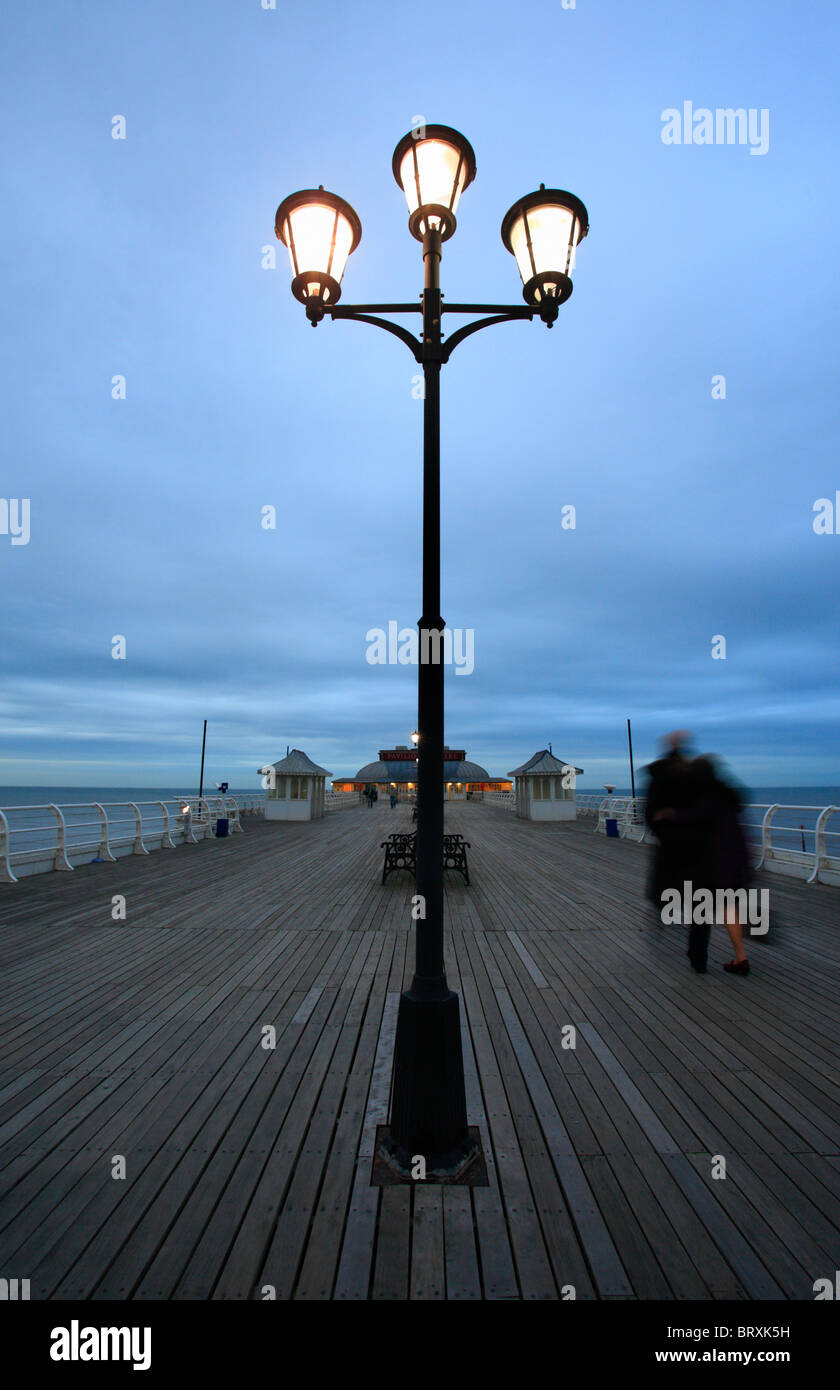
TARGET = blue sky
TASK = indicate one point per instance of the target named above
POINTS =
(143, 257)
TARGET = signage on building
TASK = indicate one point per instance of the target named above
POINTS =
(409, 755)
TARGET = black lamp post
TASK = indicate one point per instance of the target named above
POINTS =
(433, 165)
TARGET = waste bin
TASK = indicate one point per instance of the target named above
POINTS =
(612, 827)
(222, 827)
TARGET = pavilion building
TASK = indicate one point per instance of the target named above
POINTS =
(545, 787)
(294, 787)
(395, 771)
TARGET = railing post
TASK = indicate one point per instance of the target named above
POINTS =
(61, 861)
(820, 852)
(185, 817)
(6, 875)
(139, 847)
(104, 850)
(166, 841)
(766, 832)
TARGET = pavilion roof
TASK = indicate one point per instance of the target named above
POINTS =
(543, 764)
(297, 764)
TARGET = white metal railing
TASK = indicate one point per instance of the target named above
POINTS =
(627, 811)
(785, 838)
(804, 850)
(506, 799)
(334, 801)
(39, 839)
(206, 811)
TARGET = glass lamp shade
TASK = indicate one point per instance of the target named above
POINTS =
(543, 231)
(320, 230)
(433, 165)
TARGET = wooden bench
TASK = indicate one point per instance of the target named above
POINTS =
(455, 855)
(401, 853)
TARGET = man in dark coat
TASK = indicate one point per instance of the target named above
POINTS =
(670, 789)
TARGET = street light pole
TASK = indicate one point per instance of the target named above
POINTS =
(429, 974)
(433, 165)
(429, 1109)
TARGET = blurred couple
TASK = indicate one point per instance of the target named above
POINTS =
(694, 813)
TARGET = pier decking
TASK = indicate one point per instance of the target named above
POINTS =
(247, 1167)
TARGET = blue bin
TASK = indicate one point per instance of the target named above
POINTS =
(612, 827)
(222, 827)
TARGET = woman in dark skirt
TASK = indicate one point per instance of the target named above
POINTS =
(723, 860)
(729, 854)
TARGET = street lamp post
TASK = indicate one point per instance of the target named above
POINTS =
(433, 165)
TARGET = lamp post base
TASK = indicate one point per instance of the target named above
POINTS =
(428, 1109)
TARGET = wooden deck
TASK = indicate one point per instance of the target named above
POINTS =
(249, 1167)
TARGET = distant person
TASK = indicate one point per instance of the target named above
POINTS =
(393, 800)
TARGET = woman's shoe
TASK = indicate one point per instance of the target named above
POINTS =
(737, 967)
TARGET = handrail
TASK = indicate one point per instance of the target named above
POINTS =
(57, 835)
(46, 837)
(820, 865)
(506, 799)
(334, 801)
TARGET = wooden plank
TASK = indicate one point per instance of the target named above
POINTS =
(460, 1254)
(390, 1275)
(320, 1260)
(353, 1278)
(528, 961)
(428, 1269)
